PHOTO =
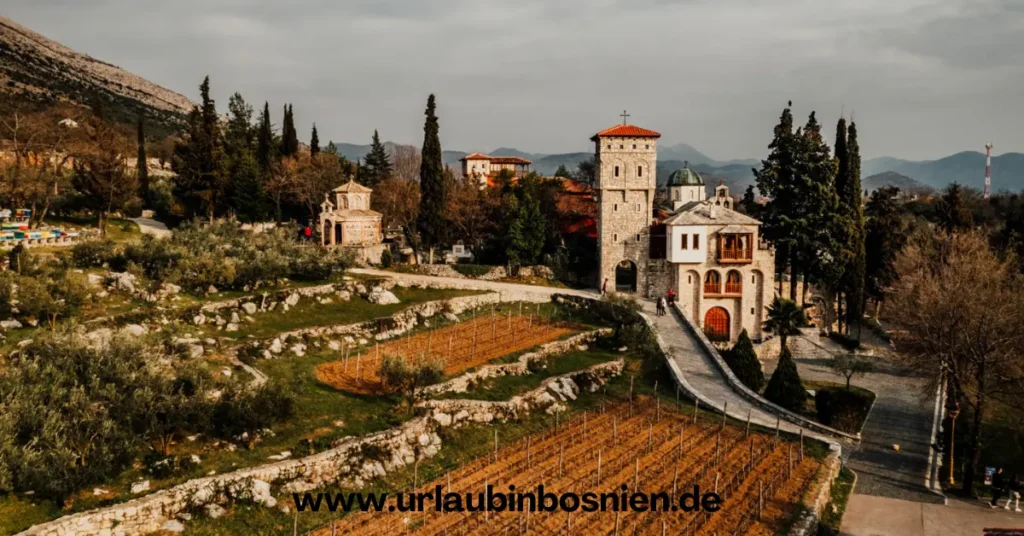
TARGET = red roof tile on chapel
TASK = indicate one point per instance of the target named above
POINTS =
(626, 131)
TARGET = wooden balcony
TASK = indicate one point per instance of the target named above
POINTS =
(734, 288)
(735, 249)
(712, 289)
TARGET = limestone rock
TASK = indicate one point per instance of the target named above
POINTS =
(380, 296)
(298, 349)
(292, 299)
(173, 525)
(94, 279)
(249, 308)
(10, 324)
(213, 511)
(133, 330)
(451, 318)
(195, 351)
(140, 487)
(199, 319)
(211, 290)
(276, 346)
(234, 317)
(231, 327)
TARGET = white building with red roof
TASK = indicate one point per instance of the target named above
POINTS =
(485, 168)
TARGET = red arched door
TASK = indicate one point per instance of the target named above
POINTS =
(716, 324)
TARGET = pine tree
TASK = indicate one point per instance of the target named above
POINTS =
(785, 388)
(776, 181)
(953, 214)
(247, 195)
(265, 140)
(742, 360)
(141, 166)
(376, 165)
(314, 143)
(886, 235)
(853, 276)
(199, 159)
(562, 172)
(434, 198)
(239, 133)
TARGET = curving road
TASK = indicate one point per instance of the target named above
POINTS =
(151, 227)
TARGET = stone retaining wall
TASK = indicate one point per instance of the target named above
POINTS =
(818, 497)
(349, 463)
(751, 396)
(520, 367)
(493, 274)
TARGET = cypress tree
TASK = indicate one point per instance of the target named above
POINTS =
(953, 214)
(885, 237)
(818, 209)
(842, 158)
(434, 198)
(376, 165)
(141, 165)
(265, 140)
(289, 136)
(785, 388)
(742, 359)
(851, 198)
(314, 143)
(526, 232)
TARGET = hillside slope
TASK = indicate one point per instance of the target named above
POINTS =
(38, 69)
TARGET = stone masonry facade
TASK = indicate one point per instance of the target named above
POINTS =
(625, 198)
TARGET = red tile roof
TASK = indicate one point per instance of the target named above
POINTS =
(475, 156)
(626, 131)
(510, 160)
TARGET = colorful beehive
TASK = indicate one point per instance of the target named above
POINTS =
(6, 236)
(14, 226)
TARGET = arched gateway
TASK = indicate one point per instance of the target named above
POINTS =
(625, 277)
(716, 324)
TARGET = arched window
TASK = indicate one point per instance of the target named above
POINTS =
(733, 283)
(712, 283)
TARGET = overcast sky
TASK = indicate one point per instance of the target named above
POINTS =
(922, 78)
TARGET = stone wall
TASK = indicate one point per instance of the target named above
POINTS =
(345, 464)
(493, 274)
(818, 496)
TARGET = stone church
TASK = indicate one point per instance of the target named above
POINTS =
(711, 255)
(347, 222)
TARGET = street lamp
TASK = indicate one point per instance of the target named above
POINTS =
(952, 410)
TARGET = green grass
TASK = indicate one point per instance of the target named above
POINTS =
(309, 314)
(19, 512)
(505, 387)
(811, 412)
(117, 229)
(832, 516)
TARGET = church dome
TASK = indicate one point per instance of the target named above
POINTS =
(685, 177)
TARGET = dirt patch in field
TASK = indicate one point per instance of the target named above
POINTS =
(462, 346)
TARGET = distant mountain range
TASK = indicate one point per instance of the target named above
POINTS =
(966, 168)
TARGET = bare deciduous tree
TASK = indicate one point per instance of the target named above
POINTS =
(405, 162)
(960, 306)
(101, 172)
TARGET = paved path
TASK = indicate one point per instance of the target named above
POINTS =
(705, 378)
(152, 227)
(902, 415)
(879, 516)
(509, 291)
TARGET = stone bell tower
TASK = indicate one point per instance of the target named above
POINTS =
(626, 159)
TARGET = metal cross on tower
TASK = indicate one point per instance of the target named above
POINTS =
(624, 116)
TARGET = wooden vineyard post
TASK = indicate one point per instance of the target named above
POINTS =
(598, 468)
(777, 423)
(748, 423)
(717, 476)
(472, 354)
(650, 437)
(416, 475)
(751, 454)
(657, 411)
(584, 425)
(450, 336)
(448, 475)
(358, 358)
(801, 444)
(617, 513)
(725, 412)
(655, 387)
(492, 324)
(631, 395)
(529, 460)
(636, 476)
(789, 473)
(344, 359)
(615, 431)
(718, 446)
(487, 511)
(561, 458)
(680, 454)
(334, 527)
(760, 498)
(495, 446)
(696, 405)
(675, 482)
(429, 336)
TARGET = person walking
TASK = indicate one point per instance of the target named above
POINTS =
(604, 286)
(1013, 493)
(671, 295)
(662, 307)
(998, 487)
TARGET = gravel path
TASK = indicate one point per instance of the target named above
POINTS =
(902, 415)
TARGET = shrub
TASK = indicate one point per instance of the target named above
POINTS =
(842, 409)
(400, 376)
(785, 387)
(93, 253)
(244, 412)
(471, 270)
(742, 359)
(386, 258)
(640, 340)
(846, 341)
(72, 414)
(7, 297)
(850, 365)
